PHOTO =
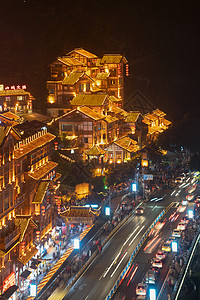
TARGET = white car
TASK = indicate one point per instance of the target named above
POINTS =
(160, 255)
(176, 233)
(156, 263)
(181, 226)
(141, 289)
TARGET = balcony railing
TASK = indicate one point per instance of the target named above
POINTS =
(9, 240)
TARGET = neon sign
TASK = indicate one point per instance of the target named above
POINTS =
(9, 281)
(17, 87)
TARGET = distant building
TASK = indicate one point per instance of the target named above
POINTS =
(80, 72)
(15, 99)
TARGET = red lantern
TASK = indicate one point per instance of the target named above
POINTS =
(23, 247)
(119, 70)
(38, 235)
(56, 146)
(127, 70)
(43, 210)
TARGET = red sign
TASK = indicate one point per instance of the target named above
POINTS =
(9, 281)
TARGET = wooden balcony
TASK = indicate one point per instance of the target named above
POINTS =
(9, 240)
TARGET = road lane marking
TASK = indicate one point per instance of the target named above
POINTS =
(153, 199)
(173, 193)
(130, 236)
(106, 272)
(136, 235)
(118, 264)
(111, 265)
(154, 207)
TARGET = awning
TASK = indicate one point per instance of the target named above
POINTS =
(8, 293)
(29, 254)
(25, 274)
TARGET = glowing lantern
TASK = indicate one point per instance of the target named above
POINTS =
(43, 210)
(23, 247)
(38, 235)
(56, 145)
(145, 163)
(119, 70)
(127, 70)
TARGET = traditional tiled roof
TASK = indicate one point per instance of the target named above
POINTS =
(115, 99)
(72, 78)
(13, 92)
(146, 121)
(90, 113)
(158, 113)
(133, 148)
(22, 221)
(167, 122)
(117, 110)
(41, 191)
(70, 61)
(39, 142)
(95, 151)
(80, 211)
(132, 116)
(151, 117)
(10, 115)
(102, 76)
(4, 130)
(43, 170)
(125, 142)
(6, 119)
(110, 119)
(37, 117)
(89, 100)
(29, 254)
(113, 59)
(83, 52)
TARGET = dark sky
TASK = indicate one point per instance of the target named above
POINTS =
(160, 39)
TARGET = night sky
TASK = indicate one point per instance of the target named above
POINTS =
(160, 39)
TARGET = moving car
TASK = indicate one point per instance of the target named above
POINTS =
(178, 180)
(140, 210)
(167, 246)
(150, 277)
(160, 255)
(156, 263)
(181, 226)
(190, 197)
(141, 289)
(176, 233)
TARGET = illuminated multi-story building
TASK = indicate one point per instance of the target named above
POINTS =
(81, 72)
(15, 99)
(26, 176)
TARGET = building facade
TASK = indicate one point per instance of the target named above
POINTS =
(27, 176)
(83, 72)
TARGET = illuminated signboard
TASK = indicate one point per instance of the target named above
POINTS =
(17, 87)
(134, 187)
(107, 211)
(76, 243)
(152, 294)
(33, 290)
(9, 281)
(174, 246)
